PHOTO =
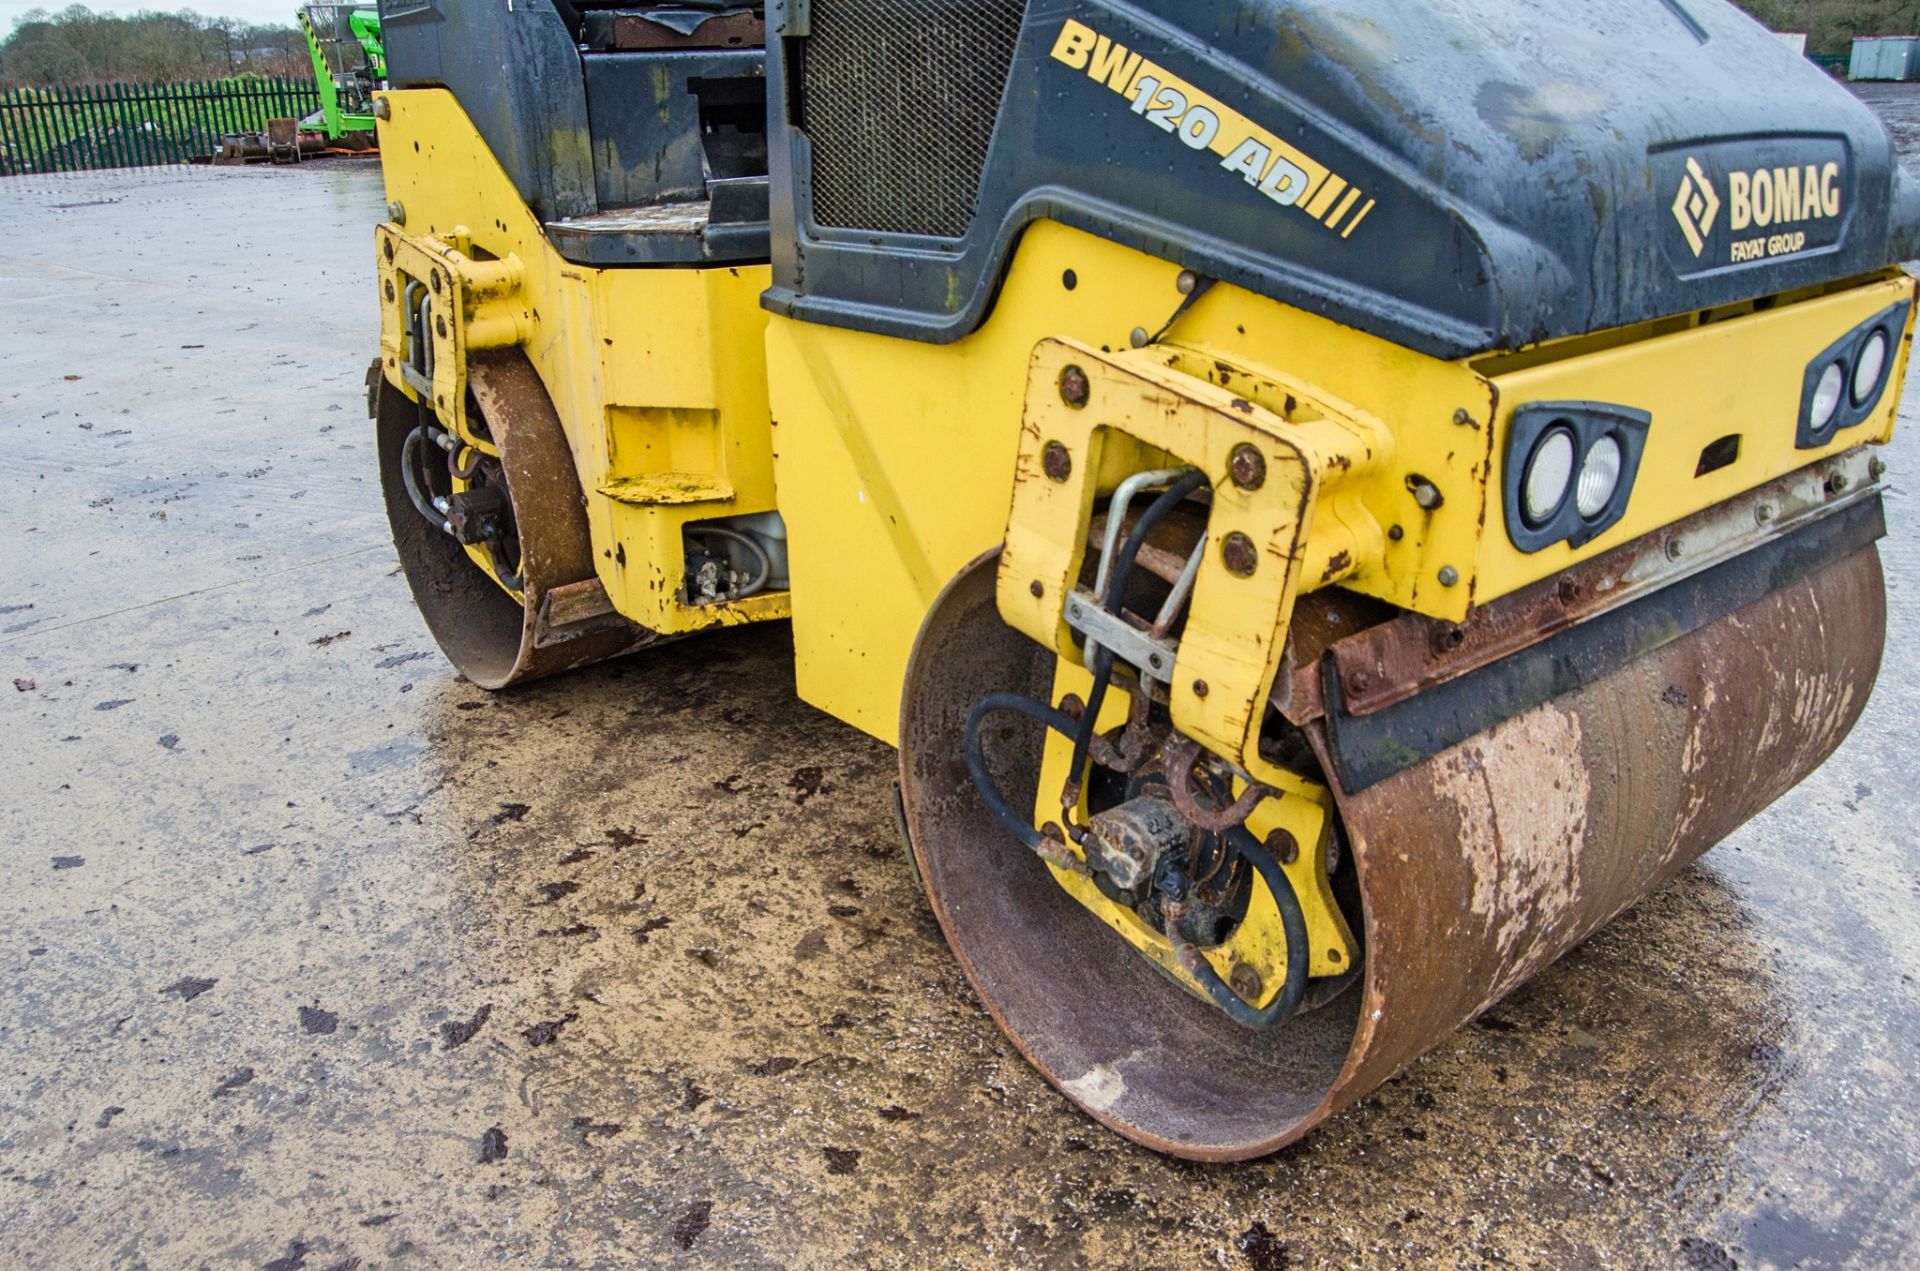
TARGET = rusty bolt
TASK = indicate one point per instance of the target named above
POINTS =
(1568, 590)
(1072, 707)
(440, 325)
(1036, 589)
(1246, 982)
(1358, 681)
(1239, 555)
(1396, 533)
(1056, 462)
(1139, 338)
(397, 212)
(1074, 388)
(438, 282)
(387, 245)
(1425, 492)
(1247, 467)
(389, 291)
(1283, 847)
(1449, 575)
(1447, 638)
(1464, 418)
(382, 109)
(1200, 688)
(1187, 283)
(1876, 467)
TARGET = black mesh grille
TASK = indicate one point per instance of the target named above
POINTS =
(899, 98)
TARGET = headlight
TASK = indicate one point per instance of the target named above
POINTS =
(1548, 473)
(1826, 396)
(1866, 371)
(1599, 477)
(1569, 470)
(1844, 385)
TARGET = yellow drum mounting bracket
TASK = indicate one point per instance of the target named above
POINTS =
(437, 303)
(1303, 809)
(1094, 418)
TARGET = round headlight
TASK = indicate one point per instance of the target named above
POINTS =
(1826, 396)
(1599, 478)
(1866, 371)
(1549, 472)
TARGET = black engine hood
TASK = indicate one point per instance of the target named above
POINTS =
(1459, 176)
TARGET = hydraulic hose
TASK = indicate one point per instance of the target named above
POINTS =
(1019, 824)
(409, 474)
(1292, 921)
(754, 549)
(1117, 576)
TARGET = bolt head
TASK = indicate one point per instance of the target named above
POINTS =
(1246, 982)
(1763, 514)
(1463, 417)
(1449, 575)
(1248, 467)
(1876, 467)
(1056, 461)
(1140, 337)
(397, 212)
(1838, 483)
(389, 291)
(1200, 688)
(1425, 493)
(382, 109)
(1239, 555)
(1036, 589)
(1396, 533)
(440, 325)
(1075, 389)
(1283, 847)
(1359, 682)
(1675, 549)
(1188, 282)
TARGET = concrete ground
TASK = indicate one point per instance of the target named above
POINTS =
(315, 956)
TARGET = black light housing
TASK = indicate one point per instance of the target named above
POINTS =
(1851, 409)
(1588, 422)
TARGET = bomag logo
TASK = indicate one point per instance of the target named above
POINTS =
(1696, 207)
(1789, 199)
(1283, 173)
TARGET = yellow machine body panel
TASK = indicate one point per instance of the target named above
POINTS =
(897, 460)
(657, 374)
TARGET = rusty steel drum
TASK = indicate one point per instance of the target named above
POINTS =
(494, 640)
(1476, 868)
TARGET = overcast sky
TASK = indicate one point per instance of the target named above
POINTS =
(277, 12)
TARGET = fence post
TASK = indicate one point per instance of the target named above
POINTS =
(99, 131)
(9, 148)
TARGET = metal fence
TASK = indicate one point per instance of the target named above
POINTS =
(79, 127)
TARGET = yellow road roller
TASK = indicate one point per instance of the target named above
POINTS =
(1332, 501)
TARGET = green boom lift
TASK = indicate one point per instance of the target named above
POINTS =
(349, 62)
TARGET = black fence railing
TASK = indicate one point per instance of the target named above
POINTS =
(80, 127)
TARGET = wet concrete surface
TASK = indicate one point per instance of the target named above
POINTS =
(317, 957)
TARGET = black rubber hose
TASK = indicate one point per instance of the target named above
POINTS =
(1019, 824)
(410, 476)
(1292, 921)
(1121, 568)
